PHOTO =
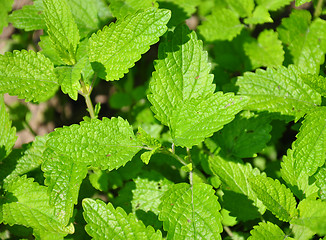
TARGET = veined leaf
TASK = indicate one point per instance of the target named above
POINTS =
(117, 47)
(106, 144)
(275, 196)
(267, 51)
(49, 51)
(191, 212)
(222, 24)
(320, 182)
(312, 214)
(182, 91)
(266, 231)
(298, 3)
(7, 133)
(29, 75)
(281, 90)
(234, 175)
(105, 222)
(305, 40)
(121, 8)
(6, 6)
(62, 29)
(316, 82)
(273, 5)
(27, 203)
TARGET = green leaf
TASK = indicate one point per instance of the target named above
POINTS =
(182, 93)
(7, 133)
(234, 175)
(146, 139)
(191, 212)
(62, 29)
(29, 75)
(29, 17)
(316, 82)
(245, 136)
(280, 90)
(275, 196)
(266, 231)
(6, 6)
(105, 222)
(259, 16)
(49, 51)
(298, 3)
(222, 24)
(116, 48)
(267, 51)
(27, 203)
(312, 215)
(320, 182)
(121, 8)
(304, 39)
(273, 5)
(243, 7)
(105, 144)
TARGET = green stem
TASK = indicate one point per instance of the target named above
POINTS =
(86, 92)
(319, 8)
(175, 156)
(26, 125)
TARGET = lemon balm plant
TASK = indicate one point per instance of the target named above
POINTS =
(222, 97)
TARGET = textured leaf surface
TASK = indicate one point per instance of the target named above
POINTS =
(267, 51)
(222, 24)
(7, 133)
(312, 215)
(68, 78)
(321, 183)
(105, 222)
(62, 29)
(49, 51)
(266, 231)
(280, 90)
(245, 136)
(234, 176)
(29, 75)
(6, 6)
(27, 203)
(275, 196)
(182, 91)
(29, 17)
(316, 82)
(305, 40)
(117, 47)
(109, 143)
(191, 212)
(121, 8)
(273, 5)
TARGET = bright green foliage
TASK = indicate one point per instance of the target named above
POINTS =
(222, 24)
(105, 222)
(320, 182)
(191, 212)
(300, 2)
(267, 51)
(245, 136)
(62, 29)
(116, 48)
(107, 144)
(234, 175)
(273, 5)
(316, 82)
(121, 8)
(49, 51)
(275, 196)
(4, 10)
(266, 231)
(7, 133)
(259, 16)
(30, 158)
(310, 146)
(306, 41)
(29, 75)
(146, 139)
(149, 190)
(182, 91)
(281, 90)
(27, 203)
(243, 8)
(29, 17)
(312, 214)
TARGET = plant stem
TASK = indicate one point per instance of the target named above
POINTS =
(228, 231)
(26, 125)
(319, 8)
(86, 93)
(175, 156)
